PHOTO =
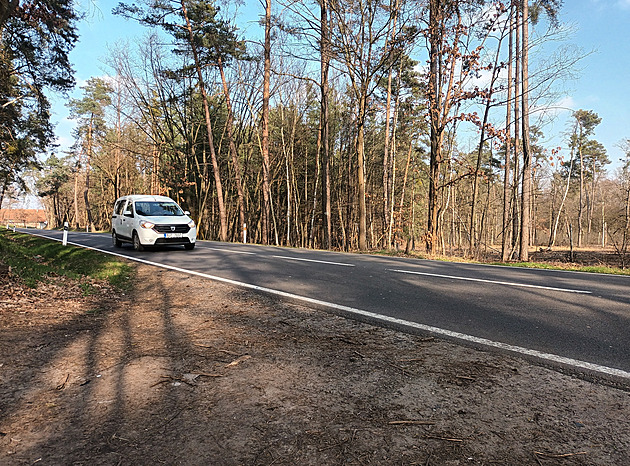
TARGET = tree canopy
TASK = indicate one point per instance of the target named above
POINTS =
(35, 40)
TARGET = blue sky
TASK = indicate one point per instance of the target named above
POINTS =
(603, 84)
(601, 27)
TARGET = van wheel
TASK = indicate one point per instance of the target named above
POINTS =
(137, 245)
(189, 246)
(115, 241)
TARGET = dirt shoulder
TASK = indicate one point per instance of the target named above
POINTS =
(187, 371)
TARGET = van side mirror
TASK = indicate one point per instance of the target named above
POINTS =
(186, 212)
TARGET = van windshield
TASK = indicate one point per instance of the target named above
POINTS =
(158, 209)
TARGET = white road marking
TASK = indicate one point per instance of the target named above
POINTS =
(553, 358)
(496, 282)
(228, 250)
(313, 260)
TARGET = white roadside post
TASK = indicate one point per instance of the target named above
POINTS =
(65, 234)
(244, 233)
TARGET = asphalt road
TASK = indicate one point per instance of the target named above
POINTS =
(576, 320)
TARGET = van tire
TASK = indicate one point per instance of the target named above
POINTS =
(115, 241)
(137, 245)
(190, 246)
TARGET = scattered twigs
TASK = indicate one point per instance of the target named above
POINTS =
(204, 346)
(334, 445)
(62, 385)
(215, 348)
(565, 455)
(237, 361)
(447, 439)
(402, 369)
(168, 421)
(203, 374)
(188, 379)
(203, 325)
(167, 378)
(346, 340)
(411, 422)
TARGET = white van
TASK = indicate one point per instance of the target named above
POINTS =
(146, 220)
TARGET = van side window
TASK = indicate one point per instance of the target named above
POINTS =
(128, 210)
(119, 207)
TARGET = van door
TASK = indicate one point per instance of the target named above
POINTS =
(126, 220)
(117, 216)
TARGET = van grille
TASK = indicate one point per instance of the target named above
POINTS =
(172, 228)
(183, 240)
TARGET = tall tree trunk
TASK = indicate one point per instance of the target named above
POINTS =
(242, 217)
(581, 204)
(591, 204)
(360, 150)
(86, 193)
(516, 175)
(404, 186)
(266, 210)
(288, 184)
(436, 157)
(117, 154)
(392, 163)
(388, 165)
(76, 196)
(311, 237)
(206, 109)
(508, 148)
(527, 168)
(325, 124)
(552, 236)
(482, 140)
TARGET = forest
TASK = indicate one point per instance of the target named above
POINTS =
(345, 124)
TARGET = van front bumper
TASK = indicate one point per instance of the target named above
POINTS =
(154, 238)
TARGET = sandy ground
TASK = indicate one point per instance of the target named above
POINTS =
(187, 371)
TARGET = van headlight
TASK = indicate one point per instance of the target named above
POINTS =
(191, 224)
(146, 224)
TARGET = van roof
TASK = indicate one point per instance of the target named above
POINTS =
(146, 197)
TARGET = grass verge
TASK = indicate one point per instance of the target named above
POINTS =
(33, 259)
(569, 267)
(553, 265)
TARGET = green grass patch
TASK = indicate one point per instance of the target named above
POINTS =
(530, 265)
(33, 259)
(569, 267)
